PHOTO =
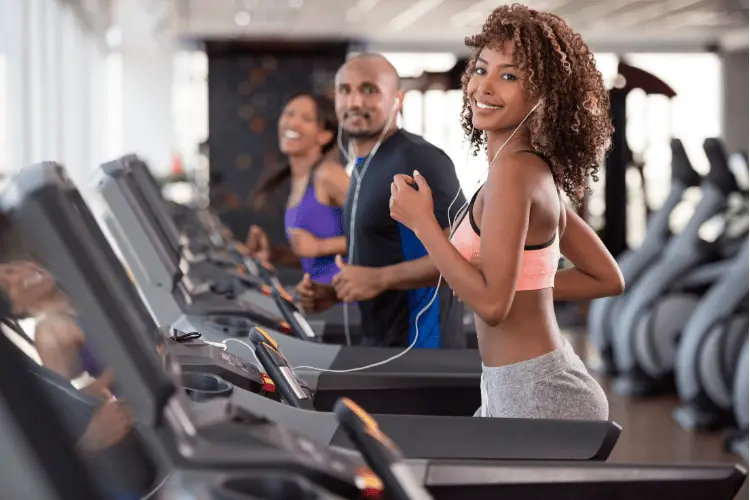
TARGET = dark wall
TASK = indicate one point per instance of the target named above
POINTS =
(248, 86)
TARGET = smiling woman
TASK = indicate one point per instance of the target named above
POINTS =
(534, 97)
(313, 220)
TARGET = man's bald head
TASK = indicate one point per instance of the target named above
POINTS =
(367, 89)
(374, 62)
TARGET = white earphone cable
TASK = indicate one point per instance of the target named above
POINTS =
(452, 223)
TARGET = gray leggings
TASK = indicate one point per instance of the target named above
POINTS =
(556, 385)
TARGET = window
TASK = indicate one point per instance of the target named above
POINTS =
(3, 114)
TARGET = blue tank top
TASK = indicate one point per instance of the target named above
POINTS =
(322, 221)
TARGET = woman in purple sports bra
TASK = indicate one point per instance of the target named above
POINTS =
(535, 100)
(61, 343)
(313, 219)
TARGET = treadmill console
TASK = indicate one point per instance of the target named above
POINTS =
(196, 355)
(268, 354)
(362, 482)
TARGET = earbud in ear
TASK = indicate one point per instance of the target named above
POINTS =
(396, 102)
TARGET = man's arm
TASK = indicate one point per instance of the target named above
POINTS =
(419, 273)
(440, 173)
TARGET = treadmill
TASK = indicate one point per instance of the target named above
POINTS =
(414, 383)
(235, 452)
(204, 232)
(51, 208)
(39, 461)
(201, 238)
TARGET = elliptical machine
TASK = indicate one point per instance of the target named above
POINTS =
(634, 263)
(709, 350)
(656, 310)
(738, 443)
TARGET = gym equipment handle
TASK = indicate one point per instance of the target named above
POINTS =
(276, 366)
(381, 454)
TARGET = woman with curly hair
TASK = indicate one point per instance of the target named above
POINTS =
(535, 99)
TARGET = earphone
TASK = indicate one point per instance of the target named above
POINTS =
(460, 213)
(359, 176)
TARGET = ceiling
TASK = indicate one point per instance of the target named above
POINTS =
(441, 25)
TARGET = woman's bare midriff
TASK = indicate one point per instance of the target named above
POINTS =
(530, 330)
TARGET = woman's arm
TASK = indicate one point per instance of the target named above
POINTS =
(305, 244)
(259, 246)
(489, 291)
(595, 273)
(284, 256)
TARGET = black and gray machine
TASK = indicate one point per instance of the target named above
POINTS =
(709, 349)
(234, 450)
(201, 236)
(415, 382)
(38, 459)
(738, 442)
(634, 264)
(61, 210)
(40, 462)
(653, 315)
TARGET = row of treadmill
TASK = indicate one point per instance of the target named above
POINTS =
(682, 324)
(238, 395)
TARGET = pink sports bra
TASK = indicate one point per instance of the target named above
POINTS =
(538, 263)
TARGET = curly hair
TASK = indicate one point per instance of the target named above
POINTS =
(572, 127)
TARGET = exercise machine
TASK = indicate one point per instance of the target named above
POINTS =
(64, 220)
(40, 462)
(201, 231)
(709, 348)
(634, 264)
(654, 313)
(415, 382)
(224, 436)
(738, 443)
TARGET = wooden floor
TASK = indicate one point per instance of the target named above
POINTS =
(650, 435)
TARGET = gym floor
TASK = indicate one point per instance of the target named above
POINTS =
(649, 433)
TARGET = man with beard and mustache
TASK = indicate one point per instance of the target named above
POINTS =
(390, 276)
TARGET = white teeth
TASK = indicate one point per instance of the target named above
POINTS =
(482, 105)
(291, 134)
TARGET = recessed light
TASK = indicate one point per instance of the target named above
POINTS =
(243, 18)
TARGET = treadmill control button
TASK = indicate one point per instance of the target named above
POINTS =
(268, 384)
(369, 483)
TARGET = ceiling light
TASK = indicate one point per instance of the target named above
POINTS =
(358, 11)
(243, 18)
(412, 65)
(412, 14)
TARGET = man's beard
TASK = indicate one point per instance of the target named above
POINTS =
(363, 134)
